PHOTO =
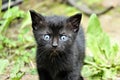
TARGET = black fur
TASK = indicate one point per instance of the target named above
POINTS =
(61, 56)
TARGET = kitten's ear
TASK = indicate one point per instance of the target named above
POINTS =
(37, 19)
(74, 21)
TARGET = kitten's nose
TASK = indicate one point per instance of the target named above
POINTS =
(54, 44)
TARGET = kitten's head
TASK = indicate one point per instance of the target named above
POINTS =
(55, 33)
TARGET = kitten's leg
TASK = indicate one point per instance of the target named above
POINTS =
(69, 76)
(44, 75)
(81, 78)
(73, 76)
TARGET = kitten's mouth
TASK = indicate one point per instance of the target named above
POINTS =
(54, 52)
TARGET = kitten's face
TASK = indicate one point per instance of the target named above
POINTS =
(55, 33)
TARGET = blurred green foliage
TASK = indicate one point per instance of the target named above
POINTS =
(102, 62)
(9, 16)
(15, 53)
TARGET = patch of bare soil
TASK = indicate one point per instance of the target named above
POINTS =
(30, 77)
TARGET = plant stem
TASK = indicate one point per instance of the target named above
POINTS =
(9, 4)
(0, 7)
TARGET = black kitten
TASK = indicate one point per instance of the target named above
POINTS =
(60, 46)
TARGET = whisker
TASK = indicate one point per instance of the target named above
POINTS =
(43, 51)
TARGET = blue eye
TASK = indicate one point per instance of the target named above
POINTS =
(46, 37)
(63, 38)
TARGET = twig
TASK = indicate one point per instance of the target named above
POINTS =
(11, 4)
(87, 10)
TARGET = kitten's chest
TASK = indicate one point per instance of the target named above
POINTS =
(55, 62)
(57, 65)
